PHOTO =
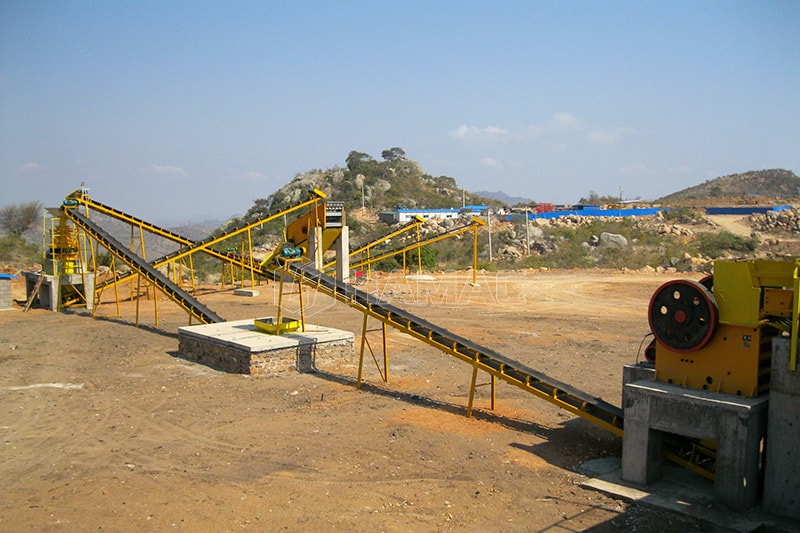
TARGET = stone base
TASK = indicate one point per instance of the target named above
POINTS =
(736, 424)
(239, 348)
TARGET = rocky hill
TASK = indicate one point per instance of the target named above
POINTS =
(376, 185)
(685, 240)
(747, 187)
(397, 180)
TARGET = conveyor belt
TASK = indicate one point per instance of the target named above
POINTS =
(690, 453)
(83, 198)
(415, 223)
(565, 396)
(143, 268)
(473, 224)
(189, 246)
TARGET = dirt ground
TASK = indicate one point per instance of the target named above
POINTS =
(105, 427)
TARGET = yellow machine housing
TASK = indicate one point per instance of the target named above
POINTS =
(716, 335)
(327, 215)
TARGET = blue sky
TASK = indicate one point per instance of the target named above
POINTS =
(187, 110)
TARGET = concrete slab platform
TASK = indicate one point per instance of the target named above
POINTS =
(239, 347)
(681, 491)
(245, 292)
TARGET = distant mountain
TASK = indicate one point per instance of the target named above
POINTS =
(503, 197)
(196, 230)
(776, 183)
(171, 223)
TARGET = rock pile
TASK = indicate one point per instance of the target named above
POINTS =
(787, 221)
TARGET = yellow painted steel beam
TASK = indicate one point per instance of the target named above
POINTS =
(413, 224)
(193, 246)
(474, 224)
(144, 269)
(687, 452)
(482, 359)
(190, 245)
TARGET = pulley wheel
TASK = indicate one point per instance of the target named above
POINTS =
(683, 315)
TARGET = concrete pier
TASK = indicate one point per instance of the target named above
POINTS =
(6, 301)
(238, 347)
(315, 247)
(636, 372)
(54, 288)
(736, 424)
(782, 464)
(342, 246)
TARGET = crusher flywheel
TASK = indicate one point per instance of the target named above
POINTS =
(683, 315)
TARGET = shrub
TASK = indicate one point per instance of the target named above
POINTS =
(426, 255)
(715, 244)
(681, 215)
(15, 250)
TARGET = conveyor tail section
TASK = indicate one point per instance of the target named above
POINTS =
(143, 268)
(579, 403)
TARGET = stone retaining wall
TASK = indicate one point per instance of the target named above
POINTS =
(305, 357)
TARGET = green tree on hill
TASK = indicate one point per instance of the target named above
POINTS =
(16, 219)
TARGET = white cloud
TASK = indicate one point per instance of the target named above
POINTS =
(635, 169)
(30, 166)
(603, 137)
(563, 123)
(488, 162)
(473, 133)
(255, 176)
(166, 169)
(567, 121)
(609, 136)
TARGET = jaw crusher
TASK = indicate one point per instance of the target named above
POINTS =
(716, 334)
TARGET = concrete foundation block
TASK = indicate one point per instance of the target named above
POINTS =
(736, 424)
(53, 289)
(245, 292)
(6, 301)
(637, 372)
(782, 463)
(238, 347)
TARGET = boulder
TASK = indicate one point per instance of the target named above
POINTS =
(613, 239)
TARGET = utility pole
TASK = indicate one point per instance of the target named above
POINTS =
(527, 231)
(489, 223)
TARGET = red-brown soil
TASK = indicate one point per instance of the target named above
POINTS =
(105, 426)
